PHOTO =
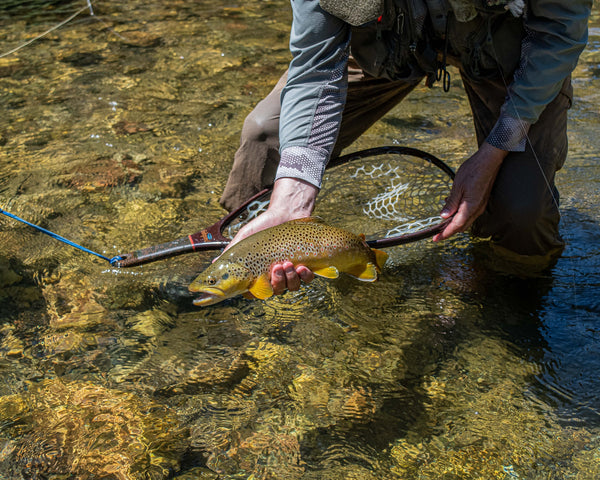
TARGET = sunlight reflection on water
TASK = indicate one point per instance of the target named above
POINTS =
(118, 132)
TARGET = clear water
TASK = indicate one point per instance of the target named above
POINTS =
(117, 131)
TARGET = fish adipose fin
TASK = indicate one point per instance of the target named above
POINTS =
(327, 272)
(365, 273)
(262, 288)
(380, 258)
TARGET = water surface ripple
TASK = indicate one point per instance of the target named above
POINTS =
(117, 131)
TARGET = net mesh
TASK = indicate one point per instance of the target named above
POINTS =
(383, 205)
(390, 194)
(252, 211)
(385, 195)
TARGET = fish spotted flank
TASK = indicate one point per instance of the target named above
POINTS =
(326, 250)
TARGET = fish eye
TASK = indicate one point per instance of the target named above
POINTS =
(211, 280)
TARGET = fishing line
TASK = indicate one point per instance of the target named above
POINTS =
(523, 130)
(530, 143)
(64, 22)
(55, 27)
(61, 239)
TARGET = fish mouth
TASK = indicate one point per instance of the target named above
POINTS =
(209, 296)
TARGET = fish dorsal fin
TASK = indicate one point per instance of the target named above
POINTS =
(261, 288)
(380, 258)
(308, 220)
(365, 273)
(327, 272)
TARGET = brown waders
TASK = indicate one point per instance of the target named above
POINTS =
(522, 214)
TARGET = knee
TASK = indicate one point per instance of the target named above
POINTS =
(259, 126)
(519, 214)
(524, 226)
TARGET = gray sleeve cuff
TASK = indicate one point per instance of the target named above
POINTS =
(509, 134)
(303, 163)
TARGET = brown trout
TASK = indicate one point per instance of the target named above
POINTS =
(246, 266)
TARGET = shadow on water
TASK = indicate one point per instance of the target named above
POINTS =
(552, 320)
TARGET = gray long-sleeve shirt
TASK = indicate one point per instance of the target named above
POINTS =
(314, 96)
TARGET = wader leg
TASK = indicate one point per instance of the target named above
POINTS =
(522, 214)
(255, 162)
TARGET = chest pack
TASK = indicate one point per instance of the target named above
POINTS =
(409, 39)
(403, 41)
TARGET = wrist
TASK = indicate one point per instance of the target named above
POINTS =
(493, 155)
(293, 198)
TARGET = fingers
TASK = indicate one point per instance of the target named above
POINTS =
(259, 223)
(452, 204)
(284, 276)
(459, 223)
(278, 281)
(471, 190)
(306, 275)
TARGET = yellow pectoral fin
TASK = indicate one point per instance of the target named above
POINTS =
(261, 288)
(327, 272)
(366, 273)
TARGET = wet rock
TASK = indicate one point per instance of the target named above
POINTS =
(168, 181)
(198, 473)
(9, 66)
(268, 453)
(210, 373)
(72, 303)
(272, 366)
(11, 346)
(57, 343)
(126, 127)
(353, 403)
(138, 38)
(324, 400)
(7, 275)
(151, 322)
(83, 59)
(84, 315)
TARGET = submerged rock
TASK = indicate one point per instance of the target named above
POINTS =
(86, 431)
(102, 173)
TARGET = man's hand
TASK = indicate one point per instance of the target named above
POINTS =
(471, 189)
(291, 199)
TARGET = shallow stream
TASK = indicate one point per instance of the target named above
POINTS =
(117, 131)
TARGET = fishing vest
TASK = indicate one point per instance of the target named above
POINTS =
(406, 39)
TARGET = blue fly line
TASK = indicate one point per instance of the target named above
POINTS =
(112, 261)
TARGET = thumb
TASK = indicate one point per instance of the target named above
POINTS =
(451, 206)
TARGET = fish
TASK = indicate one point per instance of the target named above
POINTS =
(245, 268)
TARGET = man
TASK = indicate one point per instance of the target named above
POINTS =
(354, 60)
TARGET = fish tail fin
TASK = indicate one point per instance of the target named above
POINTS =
(380, 258)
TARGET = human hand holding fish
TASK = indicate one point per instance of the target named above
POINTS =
(291, 199)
